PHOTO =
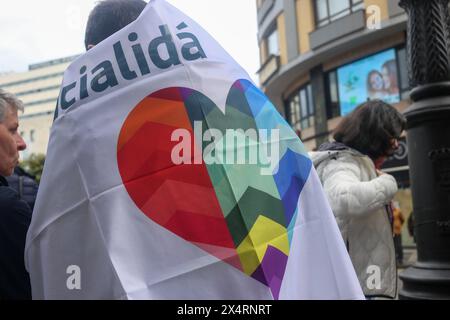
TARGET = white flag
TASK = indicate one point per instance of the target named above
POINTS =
(170, 175)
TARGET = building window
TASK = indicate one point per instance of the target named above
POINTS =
(330, 10)
(53, 75)
(33, 103)
(272, 44)
(300, 109)
(333, 109)
(294, 112)
(23, 93)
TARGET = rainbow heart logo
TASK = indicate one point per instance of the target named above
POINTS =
(231, 211)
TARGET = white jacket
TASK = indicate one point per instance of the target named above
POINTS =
(358, 198)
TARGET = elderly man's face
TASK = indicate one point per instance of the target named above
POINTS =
(10, 142)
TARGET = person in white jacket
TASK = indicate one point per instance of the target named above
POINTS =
(360, 194)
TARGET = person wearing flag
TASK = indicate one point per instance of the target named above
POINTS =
(182, 181)
(108, 17)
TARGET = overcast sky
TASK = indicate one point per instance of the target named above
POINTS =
(36, 31)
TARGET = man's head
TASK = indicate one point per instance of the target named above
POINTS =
(108, 17)
(10, 140)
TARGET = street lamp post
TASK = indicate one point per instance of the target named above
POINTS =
(428, 134)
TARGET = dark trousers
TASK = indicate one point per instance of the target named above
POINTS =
(398, 247)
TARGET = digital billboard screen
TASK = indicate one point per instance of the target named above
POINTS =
(374, 77)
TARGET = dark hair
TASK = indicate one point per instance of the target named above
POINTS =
(109, 16)
(370, 128)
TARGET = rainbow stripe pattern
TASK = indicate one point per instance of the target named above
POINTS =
(231, 211)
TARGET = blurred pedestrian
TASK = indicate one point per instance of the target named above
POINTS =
(360, 194)
(410, 225)
(15, 214)
(399, 220)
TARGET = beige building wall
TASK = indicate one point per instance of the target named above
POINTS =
(43, 83)
(263, 51)
(35, 131)
(382, 4)
(40, 108)
(29, 75)
(305, 23)
(38, 89)
(40, 96)
(282, 42)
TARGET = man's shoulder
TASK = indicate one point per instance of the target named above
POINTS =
(7, 196)
(10, 202)
(3, 181)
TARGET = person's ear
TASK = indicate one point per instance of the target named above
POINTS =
(90, 46)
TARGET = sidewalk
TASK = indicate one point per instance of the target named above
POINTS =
(410, 257)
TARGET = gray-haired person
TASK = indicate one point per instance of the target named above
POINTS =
(15, 214)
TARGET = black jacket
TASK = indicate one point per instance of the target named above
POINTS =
(15, 218)
(25, 186)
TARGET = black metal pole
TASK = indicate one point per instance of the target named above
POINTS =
(428, 135)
